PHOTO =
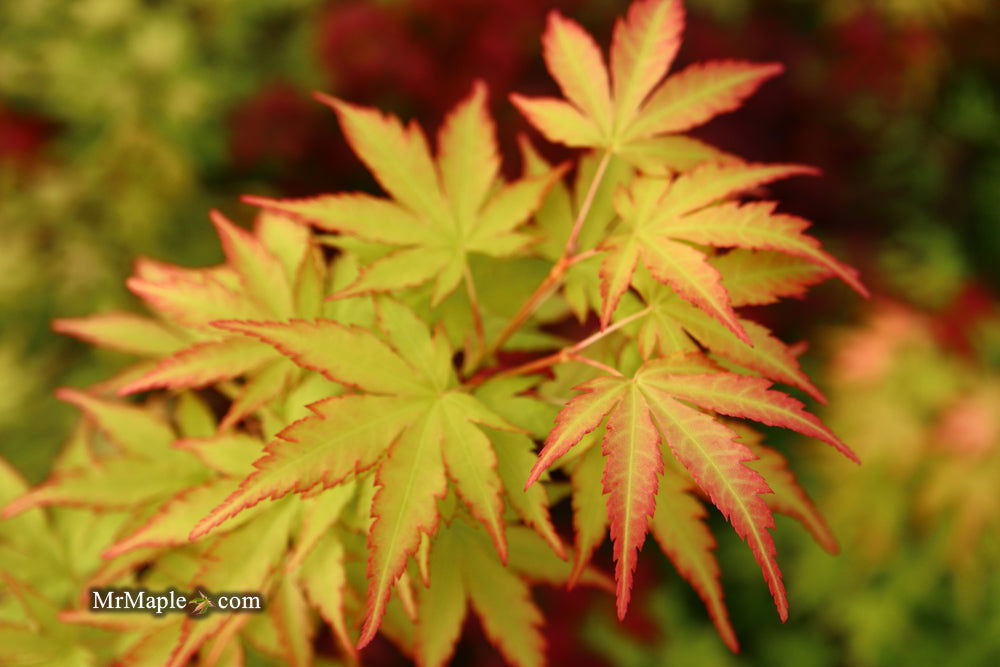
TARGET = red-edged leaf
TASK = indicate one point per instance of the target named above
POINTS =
(261, 273)
(367, 217)
(410, 481)
(468, 155)
(616, 274)
(124, 332)
(633, 466)
(642, 49)
(347, 435)
(788, 497)
(398, 158)
(714, 457)
(472, 467)
(768, 355)
(581, 415)
(746, 397)
(349, 355)
(716, 181)
(756, 226)
(758, 278)
(203, 364)
(575, 62)
(195, 300)
(172, 524)
(690, 275)
(697, 94)
(679, 527)
(558, 121)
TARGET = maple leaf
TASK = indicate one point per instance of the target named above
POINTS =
(441, 209)
(272, 273)
(648, 410)
(147, 470)
(412, 424)
(670, 318)
(626, 112)
(241, 560)
(463, 571)
(657, 214)
(678, 524)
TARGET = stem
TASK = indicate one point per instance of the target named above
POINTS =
(570, 352)
(598, 335)
(477, 314)
(596, 364)
(585, 207)
(579, 257)
(558, 269)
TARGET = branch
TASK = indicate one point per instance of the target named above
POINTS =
(558, 269)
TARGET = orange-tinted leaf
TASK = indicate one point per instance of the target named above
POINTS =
(642, 49)
(631, 474)
(699, 93)
(714, 457)
(575, 62)
(679, 526)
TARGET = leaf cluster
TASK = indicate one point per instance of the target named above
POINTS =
(335, 415)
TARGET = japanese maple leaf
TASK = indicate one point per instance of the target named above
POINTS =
(463, 571)
(409, 421)
(272, 273)
(673, 325)
(440, 209)
(629, 114)
(146, 468)
(649, 410)
(660, 216)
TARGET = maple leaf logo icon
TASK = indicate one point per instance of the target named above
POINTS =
(202, 604)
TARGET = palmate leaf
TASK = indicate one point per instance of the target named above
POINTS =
(124, 332)
(650, 409)
(274, 272)
(629, 114)
(441, 208)
(671, 320)
(679, 526)
(148, 469)
(658, 214)
(242, 560)
(412, 424)
(464, 572)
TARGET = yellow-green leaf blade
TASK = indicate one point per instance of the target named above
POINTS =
(410, 481)
(699, 93)
(364, 216)
(679, 526)
(349, 355)
(575, 62)
(643, 47)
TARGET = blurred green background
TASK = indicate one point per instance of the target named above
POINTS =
(122, 122)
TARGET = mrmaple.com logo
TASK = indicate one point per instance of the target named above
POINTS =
(160, 602)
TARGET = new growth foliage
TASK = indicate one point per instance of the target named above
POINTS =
(332, 416)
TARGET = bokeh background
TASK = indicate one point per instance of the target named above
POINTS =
(122, 122)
